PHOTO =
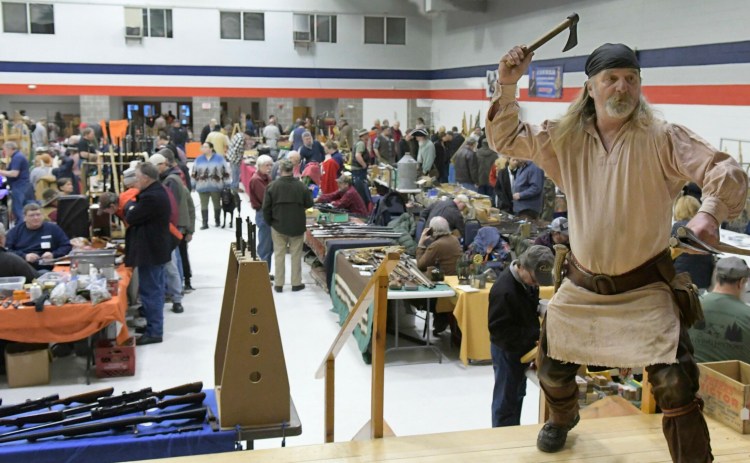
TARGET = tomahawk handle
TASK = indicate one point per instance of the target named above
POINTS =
(569, 21)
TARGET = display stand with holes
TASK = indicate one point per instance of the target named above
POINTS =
(252, 386)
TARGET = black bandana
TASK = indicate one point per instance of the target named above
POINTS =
(610, 56)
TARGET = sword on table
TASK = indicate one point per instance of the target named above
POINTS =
(684, 240)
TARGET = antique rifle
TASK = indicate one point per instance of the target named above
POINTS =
(101, 413)
(112, 425)
(138, 395)
(52, 400)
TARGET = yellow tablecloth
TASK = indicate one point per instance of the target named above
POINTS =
(470, 310)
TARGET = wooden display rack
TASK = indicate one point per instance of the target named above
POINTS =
(252, 386)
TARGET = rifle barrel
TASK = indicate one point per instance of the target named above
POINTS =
(98, 426)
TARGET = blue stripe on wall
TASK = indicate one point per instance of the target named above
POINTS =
(695, 55)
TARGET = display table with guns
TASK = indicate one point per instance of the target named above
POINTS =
(180, 421)
(347, 285)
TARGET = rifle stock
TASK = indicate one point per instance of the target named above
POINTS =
(86, 397)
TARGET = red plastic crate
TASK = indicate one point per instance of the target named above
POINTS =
(114, 360)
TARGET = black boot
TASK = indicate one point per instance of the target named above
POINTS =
(217, 216)
(204, 214)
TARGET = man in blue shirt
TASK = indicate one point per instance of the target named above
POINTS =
(528, 190)
(297, 134)
(35, 240)
(21, 191)
(311, 150)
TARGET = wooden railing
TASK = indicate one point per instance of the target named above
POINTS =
(376, 291)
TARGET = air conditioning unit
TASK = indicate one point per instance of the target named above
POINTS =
(302, 28)
(133, 32)
(134, 26)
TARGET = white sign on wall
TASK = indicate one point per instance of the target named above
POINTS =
(167, 107)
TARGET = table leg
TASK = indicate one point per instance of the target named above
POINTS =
(89, 358)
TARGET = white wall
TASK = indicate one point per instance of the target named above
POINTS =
(391, 109)
(450, 113)
(197, 36)
(467, 39)
(40, 106)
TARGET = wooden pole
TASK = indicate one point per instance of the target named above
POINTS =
(378, 356)
(330, 398)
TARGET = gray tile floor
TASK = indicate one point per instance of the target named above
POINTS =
(420, 398)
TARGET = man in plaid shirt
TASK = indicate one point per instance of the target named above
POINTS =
(234, 158)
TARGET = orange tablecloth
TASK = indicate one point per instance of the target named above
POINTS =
(69, 322)
(471, 316)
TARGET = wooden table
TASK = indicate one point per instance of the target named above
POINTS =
(627, 439)
(470, 310)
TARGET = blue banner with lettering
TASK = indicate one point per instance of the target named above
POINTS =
(545, 81)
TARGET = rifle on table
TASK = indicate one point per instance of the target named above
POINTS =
(101, 413)
(106, 401)
(49, 401)
(99, 426)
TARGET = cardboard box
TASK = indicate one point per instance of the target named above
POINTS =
(27, 364)
(725, 387)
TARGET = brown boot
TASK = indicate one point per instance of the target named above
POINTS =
(687, 433)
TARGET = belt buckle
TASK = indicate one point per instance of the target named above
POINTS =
(603, 284)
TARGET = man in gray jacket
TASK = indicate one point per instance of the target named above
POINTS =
(169, 177)
(467, 167)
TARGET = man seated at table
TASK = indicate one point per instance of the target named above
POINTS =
(437, 247)
(450, 210)
(36, 240)
(346, 198)
(557, 234)
(724, 332)
(12, 265)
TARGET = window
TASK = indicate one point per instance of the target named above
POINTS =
(253, 26)
(325, 28)
(391, 31)
(230, 24)
(315, 28)
(238, 26)
(37, 18)
(154, 22)
(395, 31)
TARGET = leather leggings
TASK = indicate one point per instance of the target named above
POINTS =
(674, 386)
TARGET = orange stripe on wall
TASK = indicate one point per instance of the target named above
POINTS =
(718, 95)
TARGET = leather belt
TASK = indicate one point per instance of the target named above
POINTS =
(659, 268)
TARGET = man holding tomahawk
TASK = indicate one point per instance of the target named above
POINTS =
(621, 169)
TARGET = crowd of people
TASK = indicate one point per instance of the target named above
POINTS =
(513, 163)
